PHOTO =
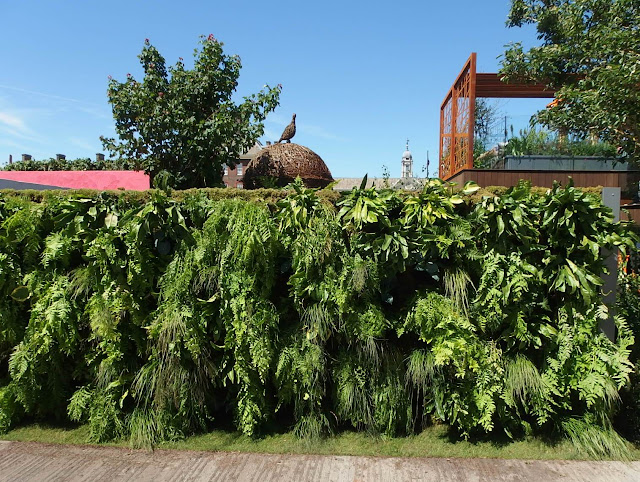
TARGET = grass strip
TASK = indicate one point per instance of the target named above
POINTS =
(435, 441)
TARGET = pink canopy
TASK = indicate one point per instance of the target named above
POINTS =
(99, 180)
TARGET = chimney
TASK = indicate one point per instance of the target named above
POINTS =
(60, 157)
(99, 157)
(26, 157)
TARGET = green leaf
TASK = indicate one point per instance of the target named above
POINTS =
(122, 398)
(363, 183)
(21, 293)
(387, 242)
(500, 222)
(111, 220)
(470, 187)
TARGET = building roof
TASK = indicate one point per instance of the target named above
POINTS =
(252, 153)
(407, 153)
(399, 183)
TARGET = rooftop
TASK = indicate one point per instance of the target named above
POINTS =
(398, 183)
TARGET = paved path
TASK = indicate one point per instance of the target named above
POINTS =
(43, 462)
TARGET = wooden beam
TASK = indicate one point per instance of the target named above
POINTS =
(490, 85)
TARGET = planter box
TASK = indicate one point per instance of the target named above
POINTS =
(561, 163)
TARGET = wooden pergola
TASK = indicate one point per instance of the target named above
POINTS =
(457, 113)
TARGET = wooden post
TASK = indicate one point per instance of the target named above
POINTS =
(611, 199)
(472, 109)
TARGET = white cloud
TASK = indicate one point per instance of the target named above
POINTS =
(17, 145)
(84, 144)
(44, 94)
(12, 120)
(19, 134)
(95, 112)
(278, 120)
(13, 126)
(270, 135)
(303, 127)
(55, 104)
(318, 131)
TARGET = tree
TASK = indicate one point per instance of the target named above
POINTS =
(181, 125)
(485, 121)
(590, 54)
(486, 118)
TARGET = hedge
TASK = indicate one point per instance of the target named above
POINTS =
(153, 316)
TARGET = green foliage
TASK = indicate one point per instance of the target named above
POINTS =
(544, 143)
(628, 306)
(51, 164)
(296, 209)
(588, 53)
(154, 318)
(183, 125)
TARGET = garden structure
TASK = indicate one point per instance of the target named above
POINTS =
(457, 114)
(279, 164)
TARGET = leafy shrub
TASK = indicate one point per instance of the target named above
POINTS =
(545, 143)
(80, 164)
(628, 305)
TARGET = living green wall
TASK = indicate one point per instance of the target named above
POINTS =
(152, 316)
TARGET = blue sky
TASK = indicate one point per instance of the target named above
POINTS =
(362, 77)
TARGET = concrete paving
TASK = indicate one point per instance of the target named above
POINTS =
(21, 461)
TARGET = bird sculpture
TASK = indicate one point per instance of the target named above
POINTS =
(289, 131)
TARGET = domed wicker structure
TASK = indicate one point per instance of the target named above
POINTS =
(280, 164)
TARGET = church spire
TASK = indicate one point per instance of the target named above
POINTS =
(407, 162)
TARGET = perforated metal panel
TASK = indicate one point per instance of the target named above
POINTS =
(457, 121)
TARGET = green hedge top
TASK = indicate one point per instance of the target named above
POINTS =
(269, 196)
